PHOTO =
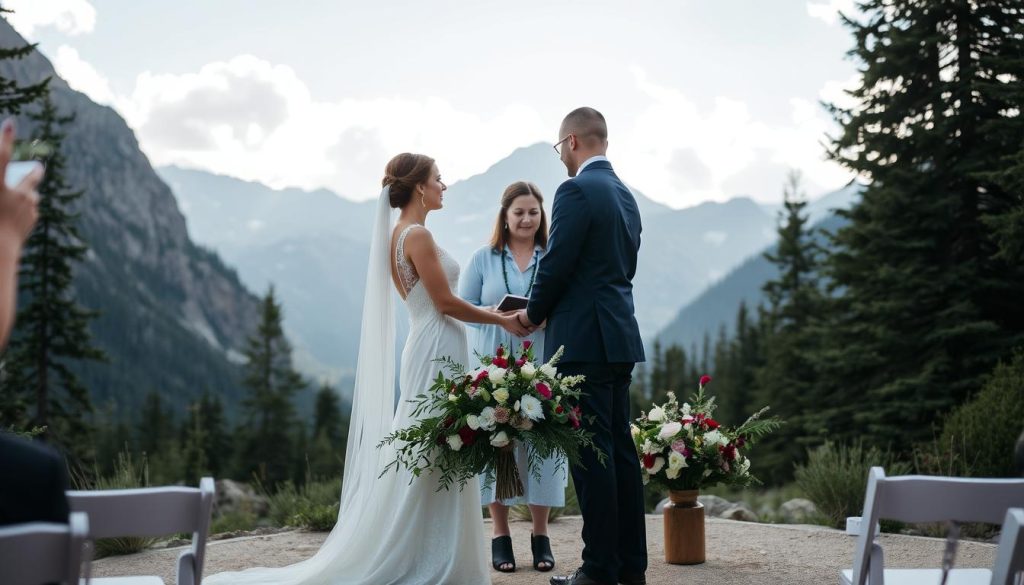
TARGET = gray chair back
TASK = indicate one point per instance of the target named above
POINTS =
(154, 511)
(1009, 567)
(44, 552)
(922, 498)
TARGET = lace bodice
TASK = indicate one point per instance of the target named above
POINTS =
(416, 299)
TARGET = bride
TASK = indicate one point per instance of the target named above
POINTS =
(399, 529)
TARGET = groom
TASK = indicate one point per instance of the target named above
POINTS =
(584, 289)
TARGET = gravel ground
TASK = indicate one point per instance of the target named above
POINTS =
(737, 553)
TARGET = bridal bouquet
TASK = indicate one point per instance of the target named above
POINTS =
(468, 422)
(681, 447)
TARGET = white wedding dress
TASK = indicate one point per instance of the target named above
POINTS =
(396, 529)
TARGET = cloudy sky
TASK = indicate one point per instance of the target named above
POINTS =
(705, 99)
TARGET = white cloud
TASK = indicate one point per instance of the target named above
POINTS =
(732, 152)
(72, 17)
(82, 76)
(828, 11)
(255, 120)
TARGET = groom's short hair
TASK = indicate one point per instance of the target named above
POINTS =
(587, 124)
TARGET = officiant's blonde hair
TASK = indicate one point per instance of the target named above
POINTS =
(500, 236)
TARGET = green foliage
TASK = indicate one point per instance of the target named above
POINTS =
(835, 477)
(926, 295)
(979, 436)
(234, 521)
(14, 97)
(313, 506)
(268, 442)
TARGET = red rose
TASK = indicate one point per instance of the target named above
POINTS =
(544, 391)
(711, 423)
(468, 435)
(559, 409)
(728, 452)
(481, 376)
(500, 362)
(704, 380)
(521, 361)
(500, 351)
(740, 441)
(527, 344)
(649, 460)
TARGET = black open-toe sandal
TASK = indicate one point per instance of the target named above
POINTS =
(541, 546)
(501, 554)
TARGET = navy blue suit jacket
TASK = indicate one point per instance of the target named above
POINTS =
(584, 282)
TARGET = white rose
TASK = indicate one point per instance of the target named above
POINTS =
(531, 408)
(500, 395)
(499, 439)
(745, 466)
(455, 442)
(497, 376)
(549, 371)
(672, 472)
(669, 430)
(676, 460)
(528, 371)
(656, 414)
(486, 419)
(473, 421)
(715, 438)
(659, 462)
(452, 398)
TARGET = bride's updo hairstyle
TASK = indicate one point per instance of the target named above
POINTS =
(403, 173)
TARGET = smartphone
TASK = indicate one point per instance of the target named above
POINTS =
(18, 170)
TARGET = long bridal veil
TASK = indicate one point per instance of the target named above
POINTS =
(364, 498)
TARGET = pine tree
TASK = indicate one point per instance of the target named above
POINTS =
(14, 97)
(269, 443)
(925, 304)
(785, 379)
(217, 445)
(52, 330)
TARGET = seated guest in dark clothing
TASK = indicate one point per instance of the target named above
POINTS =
(33, 477)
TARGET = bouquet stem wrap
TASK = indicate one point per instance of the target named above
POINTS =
(508, 484)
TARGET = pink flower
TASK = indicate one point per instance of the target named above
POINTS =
(521, 361)
(527, 344)
(704, 380)
(543, 390)
(679, 446)
(502, 414)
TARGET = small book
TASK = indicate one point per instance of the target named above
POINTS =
(512, 303)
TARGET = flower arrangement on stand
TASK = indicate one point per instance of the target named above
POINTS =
(683, 449)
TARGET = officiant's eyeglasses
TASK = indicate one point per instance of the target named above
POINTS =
(558, 145)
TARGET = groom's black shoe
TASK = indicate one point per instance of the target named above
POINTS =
(578, 577)
(639, 579)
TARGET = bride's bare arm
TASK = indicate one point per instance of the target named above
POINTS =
(420, 247)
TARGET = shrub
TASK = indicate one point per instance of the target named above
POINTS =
(836, 476)
(979, 436)
(313, 506)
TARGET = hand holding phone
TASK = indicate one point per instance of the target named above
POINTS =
(18, 170)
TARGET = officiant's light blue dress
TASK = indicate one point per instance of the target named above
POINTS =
(483, 284)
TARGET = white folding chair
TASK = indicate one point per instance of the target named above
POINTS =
(921, 498)
(44, 552)
(1009, 567)
(151, 512)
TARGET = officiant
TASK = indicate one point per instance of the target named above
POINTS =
(507, 266)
